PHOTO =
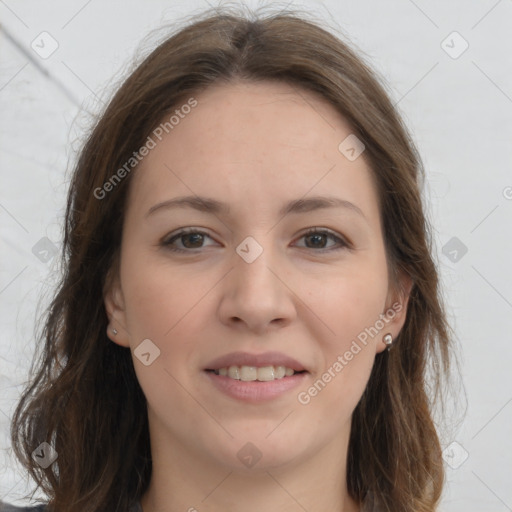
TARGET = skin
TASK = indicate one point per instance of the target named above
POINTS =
(254, 146)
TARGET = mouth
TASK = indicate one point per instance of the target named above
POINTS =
(255, 373)
(255, 378)
(257, 387)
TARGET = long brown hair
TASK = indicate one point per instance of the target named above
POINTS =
(84, 398)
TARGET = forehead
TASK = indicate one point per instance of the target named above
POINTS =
(248, 120)
(254, 143)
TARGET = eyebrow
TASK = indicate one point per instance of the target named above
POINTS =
(213, 206)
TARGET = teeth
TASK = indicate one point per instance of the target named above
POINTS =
(250, 373)
(265, 373)
(280, 372)
(234, 372)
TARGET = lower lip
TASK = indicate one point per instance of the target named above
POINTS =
(255, 391)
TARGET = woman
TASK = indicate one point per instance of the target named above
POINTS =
(250, 305)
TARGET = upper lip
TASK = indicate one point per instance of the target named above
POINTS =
(259, 360)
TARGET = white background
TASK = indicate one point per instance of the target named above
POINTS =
(458, 109)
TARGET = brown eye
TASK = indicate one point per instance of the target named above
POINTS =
(318, 238)
(190, 239)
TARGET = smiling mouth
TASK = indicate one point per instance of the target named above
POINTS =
(254, 373)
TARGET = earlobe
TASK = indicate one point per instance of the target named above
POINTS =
(396, 313)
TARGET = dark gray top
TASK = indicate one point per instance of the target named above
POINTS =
(5, 507)
(369, 505)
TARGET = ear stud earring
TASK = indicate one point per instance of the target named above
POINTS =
(388, 340)
(114, 331)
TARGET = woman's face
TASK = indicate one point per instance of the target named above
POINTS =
(249, 287)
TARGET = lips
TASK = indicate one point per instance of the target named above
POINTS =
(257, 360)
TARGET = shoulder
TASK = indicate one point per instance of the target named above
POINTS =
(5, 507)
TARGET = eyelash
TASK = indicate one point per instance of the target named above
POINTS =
(315, 231)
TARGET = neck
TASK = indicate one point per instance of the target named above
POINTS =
(187, 480)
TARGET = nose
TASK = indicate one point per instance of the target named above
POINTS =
(258, 296)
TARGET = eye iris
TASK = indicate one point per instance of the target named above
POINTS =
(316, 236)
(199, 238)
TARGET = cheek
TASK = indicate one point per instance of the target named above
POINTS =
(347, 303)
(347, 308)
(166, 305)
(161, 305)
(159, 297)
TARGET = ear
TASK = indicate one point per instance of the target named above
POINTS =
(396, 310)
(115, 307)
